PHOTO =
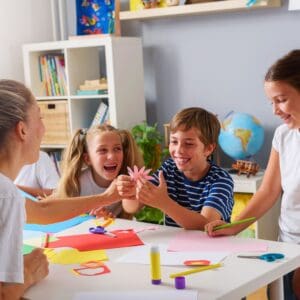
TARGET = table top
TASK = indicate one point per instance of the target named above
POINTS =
(234, 280)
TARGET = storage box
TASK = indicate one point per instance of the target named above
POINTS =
(56, 119)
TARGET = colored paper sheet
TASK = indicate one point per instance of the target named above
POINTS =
(86, 242)
(27, 249)
(200, 241)
(30, 234)
(28, 196)
(185, 294)
(73, 256)
(59, 226)
(140, 255)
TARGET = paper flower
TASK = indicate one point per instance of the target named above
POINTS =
(137, 174)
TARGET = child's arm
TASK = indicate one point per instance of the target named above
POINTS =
(266, 196)
(157, 196)
(52, 210)
(36, 192)
(35, 269)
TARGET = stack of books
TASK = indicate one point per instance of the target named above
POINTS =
(52, 74)
(93, 87)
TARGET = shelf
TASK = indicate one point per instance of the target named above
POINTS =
(196, 9)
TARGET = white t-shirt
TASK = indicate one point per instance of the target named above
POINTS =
(89, 187)
(42, 174)
(12, 219)
(287, 143)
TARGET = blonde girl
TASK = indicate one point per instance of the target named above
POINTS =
(94, 158)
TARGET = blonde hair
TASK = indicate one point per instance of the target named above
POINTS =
(205, 122)
(15, 101)
(73, 157)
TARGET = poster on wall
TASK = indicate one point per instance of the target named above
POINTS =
(294, 5)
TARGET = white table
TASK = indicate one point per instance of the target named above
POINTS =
(236, 279)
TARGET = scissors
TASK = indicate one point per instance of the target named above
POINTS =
(269, 257)
(101, 230)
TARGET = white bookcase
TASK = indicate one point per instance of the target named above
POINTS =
(267, 226)
(119, 59)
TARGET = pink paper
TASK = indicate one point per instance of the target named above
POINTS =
(200, 241)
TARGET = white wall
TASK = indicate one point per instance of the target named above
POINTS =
(22, 21)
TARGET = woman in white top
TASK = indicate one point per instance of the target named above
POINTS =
(21, 131)
(38, 179)
(282, 175)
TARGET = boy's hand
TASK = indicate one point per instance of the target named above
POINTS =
(152, 195)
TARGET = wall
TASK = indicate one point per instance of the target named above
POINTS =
(21, 22)
(216, 61)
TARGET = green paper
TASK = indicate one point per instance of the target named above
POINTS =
(27, 249)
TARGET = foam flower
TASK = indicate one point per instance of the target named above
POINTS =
(137, 174)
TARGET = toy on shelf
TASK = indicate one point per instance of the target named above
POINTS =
(245, 167)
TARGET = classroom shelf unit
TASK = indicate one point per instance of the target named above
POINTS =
(197, 9)
(244, 187)
(119, 59)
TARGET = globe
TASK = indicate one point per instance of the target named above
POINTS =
(241, 136)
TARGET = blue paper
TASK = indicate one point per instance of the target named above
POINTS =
(56, 227)
(28, 196)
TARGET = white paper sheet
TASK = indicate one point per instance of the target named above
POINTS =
(141, 255)
(138, 295)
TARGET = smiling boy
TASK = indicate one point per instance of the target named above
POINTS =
(189, 188)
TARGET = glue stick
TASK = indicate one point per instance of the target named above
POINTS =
(155, 265)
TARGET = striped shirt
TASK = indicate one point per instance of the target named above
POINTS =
(215, 190)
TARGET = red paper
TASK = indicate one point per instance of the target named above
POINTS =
(87, 242)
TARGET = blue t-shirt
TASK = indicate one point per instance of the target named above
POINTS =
(215, 189)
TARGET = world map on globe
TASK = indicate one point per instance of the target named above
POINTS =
(241, 136)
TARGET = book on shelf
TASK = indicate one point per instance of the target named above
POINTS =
(90, 92)
(52, 74)
(101, 115)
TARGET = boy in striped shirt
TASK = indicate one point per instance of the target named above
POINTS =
(189, 188)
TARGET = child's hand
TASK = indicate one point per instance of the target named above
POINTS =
(152, 195)
(210, 226)
(126, 187)
(36, 266)
(100, 212)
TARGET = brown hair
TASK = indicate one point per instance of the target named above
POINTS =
(286, 69)
(205, 122)
(15, 101)
(73, 161)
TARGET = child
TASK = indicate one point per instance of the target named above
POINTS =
(282, 87)
(94, 158)
(188, 187)
(21, 132)
(38, 179)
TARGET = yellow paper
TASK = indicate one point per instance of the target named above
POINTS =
(73, 256)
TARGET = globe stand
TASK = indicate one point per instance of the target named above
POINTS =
(245, 167)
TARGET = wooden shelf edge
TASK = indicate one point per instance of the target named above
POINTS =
(196, 9)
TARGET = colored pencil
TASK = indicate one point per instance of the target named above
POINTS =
(195, 270)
